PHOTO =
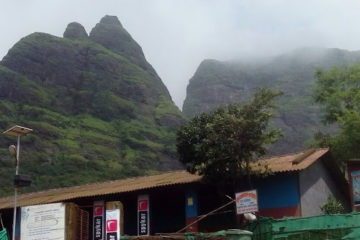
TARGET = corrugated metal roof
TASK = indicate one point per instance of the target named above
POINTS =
(117, 186)
(275, 164)
(290, 162)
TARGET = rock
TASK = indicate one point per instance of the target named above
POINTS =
(110, 33)
(110, 20)
(74, 31)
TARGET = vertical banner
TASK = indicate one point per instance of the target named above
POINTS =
(114, 216)
(98, 220)
(355, 178)
(143, 215)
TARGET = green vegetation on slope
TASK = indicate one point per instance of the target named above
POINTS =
(96, 113)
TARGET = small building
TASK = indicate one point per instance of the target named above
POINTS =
(297, 185)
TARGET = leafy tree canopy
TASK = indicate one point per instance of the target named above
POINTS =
(221, 144)
(339, 91)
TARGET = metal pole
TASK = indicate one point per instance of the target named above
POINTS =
(16, 190)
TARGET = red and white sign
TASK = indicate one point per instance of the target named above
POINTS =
(112, 224)
(143, 215)
(143, 205)
(98, 209)
(246, 202)
(98, 220)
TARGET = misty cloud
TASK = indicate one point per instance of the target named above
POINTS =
(176, 35)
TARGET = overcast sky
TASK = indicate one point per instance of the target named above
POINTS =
(176, 35)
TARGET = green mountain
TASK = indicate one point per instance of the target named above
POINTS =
(98, 109)
(217, 83)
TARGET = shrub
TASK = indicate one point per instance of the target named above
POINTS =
(332, 206)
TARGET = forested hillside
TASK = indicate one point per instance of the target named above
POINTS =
(98, 109)
(218, 83)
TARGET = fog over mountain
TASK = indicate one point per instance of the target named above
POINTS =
(218, 83)
(177, 35)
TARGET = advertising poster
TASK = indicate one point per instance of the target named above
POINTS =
(98, 220)
(355, 177)
(246, 202)
(143, 215)
(112, 221)
(43, 222)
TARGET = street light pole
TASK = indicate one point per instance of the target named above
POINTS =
(17, 131)
(16, 188)
(17, 155)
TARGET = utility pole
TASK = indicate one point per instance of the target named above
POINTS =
(18, 132)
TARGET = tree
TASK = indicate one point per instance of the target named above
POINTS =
(338, 90)
(221, 145)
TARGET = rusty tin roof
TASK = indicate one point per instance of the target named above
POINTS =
(285, 163)
(291, 162)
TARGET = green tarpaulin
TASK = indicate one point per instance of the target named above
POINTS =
(330, 227)
(3, 234)
(354, 234)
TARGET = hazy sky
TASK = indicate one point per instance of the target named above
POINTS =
(176, 35)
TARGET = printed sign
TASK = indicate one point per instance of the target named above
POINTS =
(112, 236)
(355, 177)
(246, 202)
(143, 215)
(98, 220)
(43, 222)
(112, 224)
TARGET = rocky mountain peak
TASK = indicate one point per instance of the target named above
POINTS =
(110, 33)
(107, 19)
(74, 31)
(95, 109)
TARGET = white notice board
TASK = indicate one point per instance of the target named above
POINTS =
(246, 202)
(43, 222)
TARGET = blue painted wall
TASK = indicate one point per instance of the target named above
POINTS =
(191, 203)
(276, 191)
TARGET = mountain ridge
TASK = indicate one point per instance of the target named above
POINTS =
(97, 114)
(218, 83)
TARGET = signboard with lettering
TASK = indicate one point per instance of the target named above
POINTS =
(114, 220)
(43, 222)
(143, 215)
(355, 178)
(246, 202)
(98, 220)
